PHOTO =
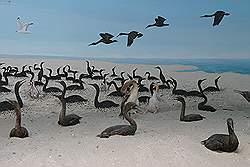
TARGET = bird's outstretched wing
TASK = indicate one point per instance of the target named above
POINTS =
(217, 19)
(27, 25)
(106, 36)
(20, 24)
(130, 41)
(162, 19)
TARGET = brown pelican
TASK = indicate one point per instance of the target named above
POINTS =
(131, 36)
(133, 88)
(18, 131)
(245, 94)
(66, 120)
(223, 142)
(218, 16)
(159, 22)
(102, 104)
(5, 105)
(123, 130)
(106, 38)
(130, 89)
(212, 88)
(189, 117)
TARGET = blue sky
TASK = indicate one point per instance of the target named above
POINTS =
(66, 27)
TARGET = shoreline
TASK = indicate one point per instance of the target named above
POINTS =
(184, 67)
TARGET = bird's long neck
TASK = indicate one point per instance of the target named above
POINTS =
(46, 83)
(6, 78)
(133, 94)
(216, 84)
(130, 120)
(122, 76)
(151, 25)
(64, 91)
(175, 86)
(97, 95)
(113, 71)
(116, 87)
(134, 74)
(209, 15)
(200, 88)
(63, 110)
(18, 97)
(123, 33)
(50, 72)
(232, 136)
(183, 107)
(32, 76)
(18, 118)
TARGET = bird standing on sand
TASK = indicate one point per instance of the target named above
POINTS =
(106, 38)
(22, 26)
(218, 16)
(245, 94)
(131, 36)
(18, 130)
(159, 22)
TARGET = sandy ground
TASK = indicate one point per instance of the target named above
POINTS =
(161, 139)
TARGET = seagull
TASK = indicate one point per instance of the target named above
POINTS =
(159, 22)
(218, 16)
(131, 36)
(106, 38)
(22, 26)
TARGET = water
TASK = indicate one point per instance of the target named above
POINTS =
(241, 66)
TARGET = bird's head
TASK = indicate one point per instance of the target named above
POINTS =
(180, 99)
(230, 123)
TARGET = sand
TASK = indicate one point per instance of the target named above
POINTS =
(161, 139)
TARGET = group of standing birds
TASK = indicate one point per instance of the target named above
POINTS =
(128, 92)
